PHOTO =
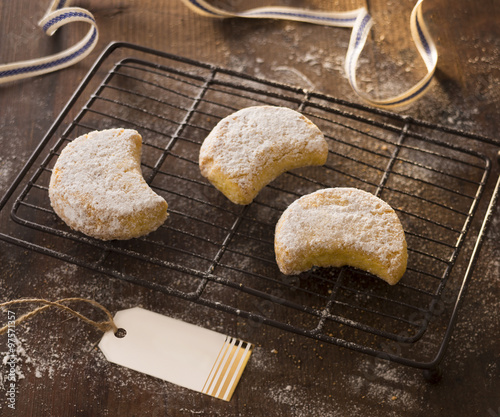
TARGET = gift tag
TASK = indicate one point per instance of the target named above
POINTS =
(184, 354)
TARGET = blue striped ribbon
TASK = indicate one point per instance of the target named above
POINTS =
(58, 14)
(360, 22)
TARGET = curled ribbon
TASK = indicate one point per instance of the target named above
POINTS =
(360, 22)
(56, 16)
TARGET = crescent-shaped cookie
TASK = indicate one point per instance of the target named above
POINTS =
(341, 226)
(248, 149)
(97, 187)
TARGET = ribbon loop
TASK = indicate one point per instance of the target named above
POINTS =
(57, 15)
(361, 22)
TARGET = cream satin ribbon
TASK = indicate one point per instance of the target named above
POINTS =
(58, 14)
(360, 22)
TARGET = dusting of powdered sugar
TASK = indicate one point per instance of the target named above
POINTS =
(97, 185)
(256, 139)
(340, 218)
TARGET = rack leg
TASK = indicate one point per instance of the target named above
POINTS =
(433, 375)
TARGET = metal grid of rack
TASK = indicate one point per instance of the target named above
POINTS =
(218, 254)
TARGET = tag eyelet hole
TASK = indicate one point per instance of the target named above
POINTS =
(121, 333)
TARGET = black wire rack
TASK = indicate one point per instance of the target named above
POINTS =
(221, 255)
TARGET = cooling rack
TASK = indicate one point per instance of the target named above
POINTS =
(441, 182)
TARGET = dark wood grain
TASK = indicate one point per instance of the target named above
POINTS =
(64, 374)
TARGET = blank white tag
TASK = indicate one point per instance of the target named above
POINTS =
(178, 352)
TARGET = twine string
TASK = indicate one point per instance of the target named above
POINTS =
(104, 326)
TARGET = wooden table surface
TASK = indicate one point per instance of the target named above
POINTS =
(60, 370)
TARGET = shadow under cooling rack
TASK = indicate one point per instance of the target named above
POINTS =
(221, 255)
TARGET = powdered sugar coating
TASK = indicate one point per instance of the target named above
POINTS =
(341, 226)
(251, 147)
(97, 187)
